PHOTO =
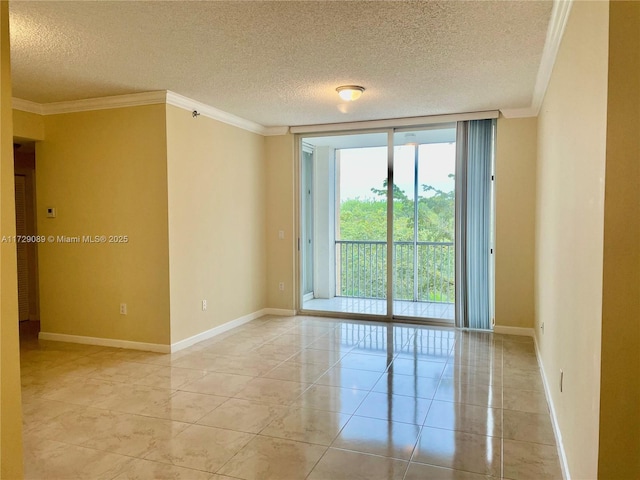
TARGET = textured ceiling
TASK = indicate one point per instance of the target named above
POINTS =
(278, 63)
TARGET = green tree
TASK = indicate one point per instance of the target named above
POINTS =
(366, 220)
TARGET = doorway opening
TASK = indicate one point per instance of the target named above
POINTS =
(352, 222)
(26, 244)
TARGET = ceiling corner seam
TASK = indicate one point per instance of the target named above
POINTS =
(557, 23)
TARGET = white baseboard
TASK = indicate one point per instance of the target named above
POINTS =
(279, 311)
(174, 347)
(522, 331)
(105, 342)
(564, 465)
(225, 327)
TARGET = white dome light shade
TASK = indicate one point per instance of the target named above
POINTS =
(350, 93)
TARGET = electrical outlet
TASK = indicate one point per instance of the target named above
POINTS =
(561, 380)
(123, 309)
(204, 305)
(281, 286)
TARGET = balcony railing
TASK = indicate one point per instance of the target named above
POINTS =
(424, 271)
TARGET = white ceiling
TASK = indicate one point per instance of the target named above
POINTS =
(278, 63)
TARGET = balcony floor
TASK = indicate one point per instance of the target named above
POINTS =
(370, 306)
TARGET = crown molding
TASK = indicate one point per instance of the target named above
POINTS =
(186, 103)
(559, 16)
(274, 131)
(104, 103)
(145, 98)
(26, 106)
(519, 112)
(557, 23)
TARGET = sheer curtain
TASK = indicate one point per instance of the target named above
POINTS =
(474, 145)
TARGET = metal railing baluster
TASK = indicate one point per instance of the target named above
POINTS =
(360, 266)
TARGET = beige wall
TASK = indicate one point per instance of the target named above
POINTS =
(281, 201)
(515, 197)
(28, 126)
(619, 455)
(105, 173)
(217, 243)
(10, 406)
(569, 223)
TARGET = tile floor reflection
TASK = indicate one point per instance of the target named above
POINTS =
(291, 398)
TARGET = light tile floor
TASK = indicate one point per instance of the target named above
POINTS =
(291, 398)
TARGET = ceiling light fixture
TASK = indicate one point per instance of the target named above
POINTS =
(350, 93)
(410, 139)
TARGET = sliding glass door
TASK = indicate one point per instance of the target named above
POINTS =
(345, 229)
(424, 223)
(348, 233)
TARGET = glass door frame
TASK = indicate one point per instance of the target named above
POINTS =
(298, 172)
(390, 258)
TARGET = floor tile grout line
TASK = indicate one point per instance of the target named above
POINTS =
(166, 463)
(477, 348)
(454, 469)
(368, 454)
(317, 462)
(502, 414)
